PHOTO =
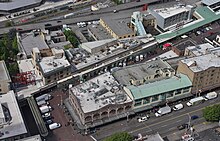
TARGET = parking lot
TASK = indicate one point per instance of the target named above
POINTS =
(67, 131)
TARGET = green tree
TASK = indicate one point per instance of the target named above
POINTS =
(71, 37)
(8, 24)
(13, 68)
(15, 46)
(212, 113)
(122, 136)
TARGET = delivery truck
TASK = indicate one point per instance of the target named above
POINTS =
(195, 101)
(43, 97)
(210, 95)
(45, 109)
(163, 111)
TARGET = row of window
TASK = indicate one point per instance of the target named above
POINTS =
(163, 96)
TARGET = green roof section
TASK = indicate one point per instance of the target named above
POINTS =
(159, 87)
(205, 12)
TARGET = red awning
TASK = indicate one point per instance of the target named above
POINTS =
(167, 45)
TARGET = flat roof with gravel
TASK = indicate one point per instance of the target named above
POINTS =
(16, 126)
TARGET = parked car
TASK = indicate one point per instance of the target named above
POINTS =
(142, 119)
(178, 107)
(194, 117)
(48, 24)
(47, 115)
(54, 126)
(49, 121)
(183, 126)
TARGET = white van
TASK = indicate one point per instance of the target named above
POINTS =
(210, 95)
(195, 101)
(178, 107)
(54, 126)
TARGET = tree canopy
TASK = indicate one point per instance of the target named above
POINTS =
(212, 113)
(121, 136)
(71, 37)
(9, 50)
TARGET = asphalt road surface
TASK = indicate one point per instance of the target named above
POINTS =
(165, 125)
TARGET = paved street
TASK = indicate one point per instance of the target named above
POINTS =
(164, 125)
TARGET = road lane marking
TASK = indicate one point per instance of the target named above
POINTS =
(178, 120)
(172, 128)
(164, 125)
(170, 119)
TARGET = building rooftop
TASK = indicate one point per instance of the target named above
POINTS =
(99, 92)
(29, 41)
(140, 71)
(81, 58)
(99, 32)
(25, 65)
(162, 86)
(171, 11)
(32, 138)
(184, 44)
(56, 33)
(155, 137)
(4, 72)
(167, 55)
(206, 16)
(91, 45)
(15, 4)
(51, 63)
(210, 2)
(203, 62)
(13, 122)
(200, 49)
(118, 26)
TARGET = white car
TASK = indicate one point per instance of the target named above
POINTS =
(178, 107)
(46, 115)
(142, 119)
(54, 126)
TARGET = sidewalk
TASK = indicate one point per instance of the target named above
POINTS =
(198, 128)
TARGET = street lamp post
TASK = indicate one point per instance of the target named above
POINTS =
(127, 116)
(189, 121)
(61, 100)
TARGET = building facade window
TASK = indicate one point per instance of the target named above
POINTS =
(169, 94)
(177, 92)
(146, 100)
(155, 98)
(138, 102)
(186, 90)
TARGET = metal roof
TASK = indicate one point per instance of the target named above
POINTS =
(160, 87)
(14, 4)
(210, 2)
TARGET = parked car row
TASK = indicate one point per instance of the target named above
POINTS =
(45, 109)
(167, 109)
(203, 30)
